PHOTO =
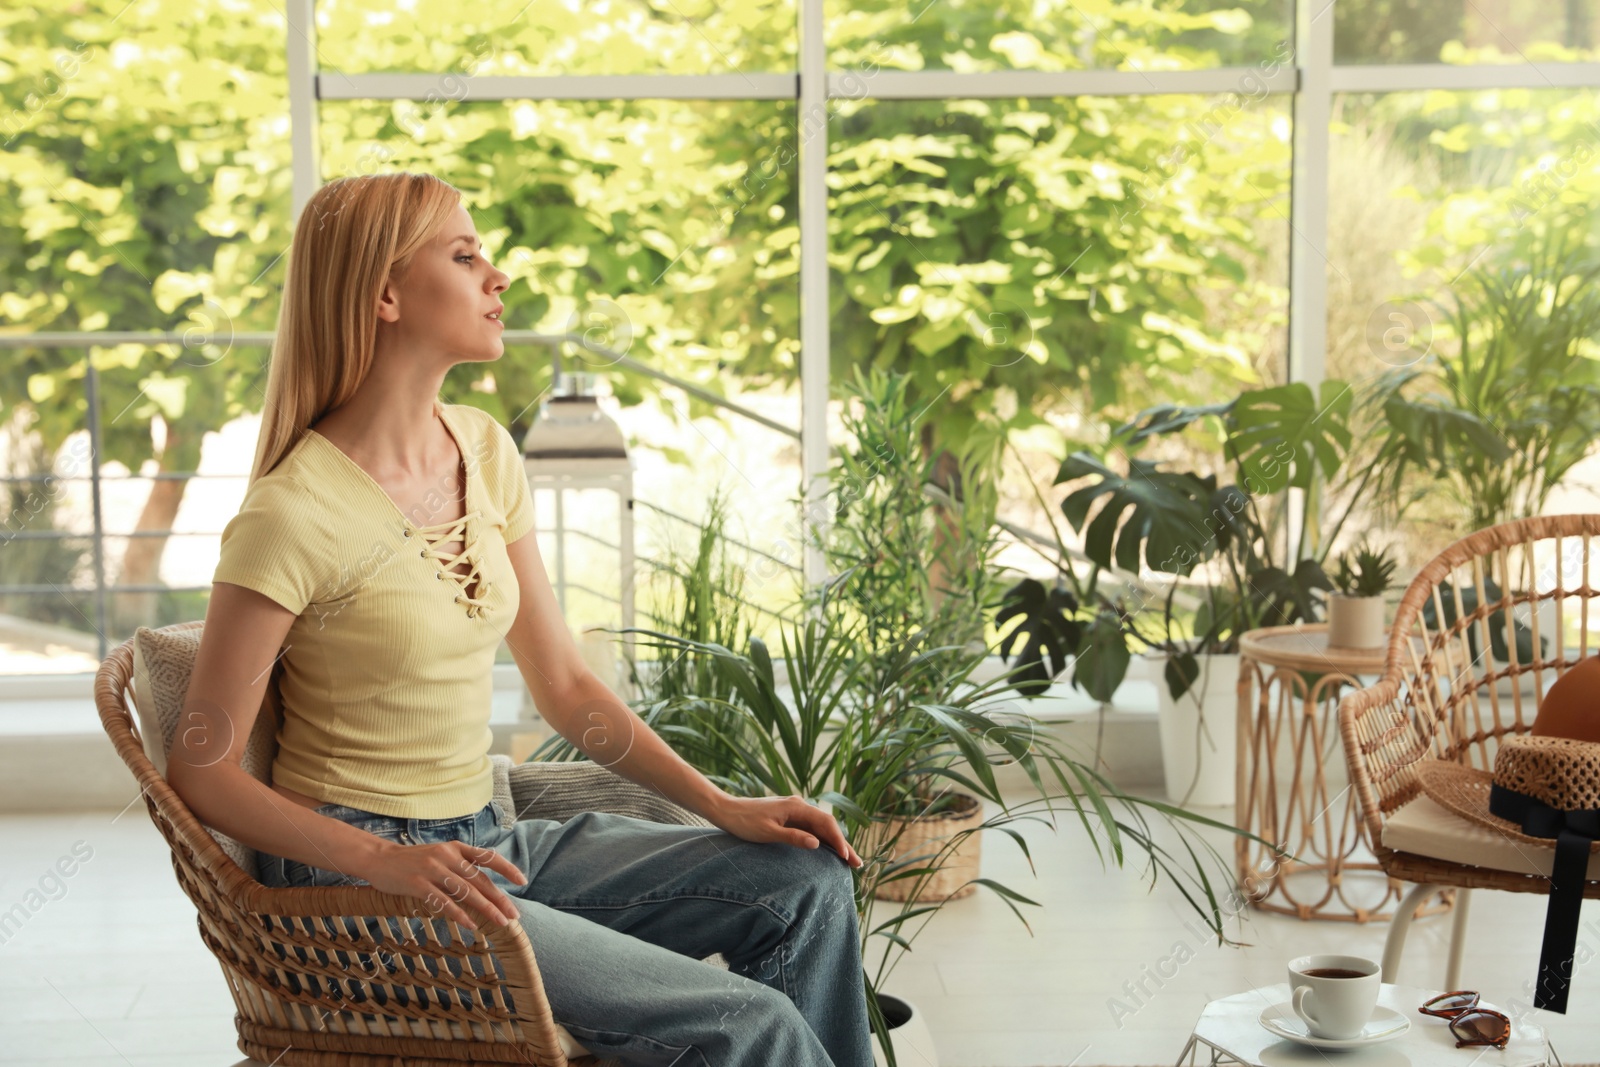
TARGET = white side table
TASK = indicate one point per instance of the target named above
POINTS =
(1230, 1032)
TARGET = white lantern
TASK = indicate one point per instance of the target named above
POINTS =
(575, 453)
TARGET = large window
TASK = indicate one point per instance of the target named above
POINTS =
(1054, 214)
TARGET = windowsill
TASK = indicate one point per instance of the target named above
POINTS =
(62, 705)
(44, 705)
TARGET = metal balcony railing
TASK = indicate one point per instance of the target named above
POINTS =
(97, 535)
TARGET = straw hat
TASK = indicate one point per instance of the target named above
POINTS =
(1557, 764)
(1545, 792)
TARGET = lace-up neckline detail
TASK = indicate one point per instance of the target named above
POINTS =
(472, 587)
(443, 533)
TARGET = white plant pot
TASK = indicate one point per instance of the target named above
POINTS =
(1356, 622)
(1199, 760)
(908, 1033)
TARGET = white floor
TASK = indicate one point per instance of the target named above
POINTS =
(107, 969)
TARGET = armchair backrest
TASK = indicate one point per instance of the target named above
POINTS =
(1478, 636)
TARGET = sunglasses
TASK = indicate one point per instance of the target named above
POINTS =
(1470, 1024)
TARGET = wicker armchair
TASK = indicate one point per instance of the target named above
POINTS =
(296, 958)
(1480, 634)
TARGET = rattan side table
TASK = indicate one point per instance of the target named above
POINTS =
(1293, 787)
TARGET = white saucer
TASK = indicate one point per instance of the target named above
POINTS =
(1386, 1024)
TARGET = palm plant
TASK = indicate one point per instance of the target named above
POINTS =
(846, 737)
(881, 719)
(1499, 423)
(704, 591)
(704, 594)
(909, 553)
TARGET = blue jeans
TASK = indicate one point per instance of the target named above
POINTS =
(621, 913)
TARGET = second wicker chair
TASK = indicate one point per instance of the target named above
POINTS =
(1477, 639)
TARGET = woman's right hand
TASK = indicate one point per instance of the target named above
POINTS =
(446, 876)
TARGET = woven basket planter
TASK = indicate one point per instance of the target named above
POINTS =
(927, 835)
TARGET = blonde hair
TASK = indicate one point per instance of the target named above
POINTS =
(353, 236)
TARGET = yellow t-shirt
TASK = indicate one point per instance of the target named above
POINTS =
(388, 671)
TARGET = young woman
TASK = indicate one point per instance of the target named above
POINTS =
(385, 545)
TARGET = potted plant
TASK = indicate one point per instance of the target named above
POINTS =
(839, 738)
(1489, 420)
(1355, 607)
(911, 542)
(1492, 423)
(881, 718)
(1247, 548)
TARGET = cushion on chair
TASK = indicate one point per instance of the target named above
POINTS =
(163, 660)
(502, 790)
(1425, 828)
(559, 791)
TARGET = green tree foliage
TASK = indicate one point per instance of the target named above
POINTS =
(1012, 256)
(143, 185)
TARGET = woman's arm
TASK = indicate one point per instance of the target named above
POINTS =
(580, 707)
(238, 647)
(243, 632)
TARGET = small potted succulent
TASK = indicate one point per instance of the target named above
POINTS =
(1355, 608)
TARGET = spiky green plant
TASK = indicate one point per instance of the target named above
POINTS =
(843, 736)
(1365, 571)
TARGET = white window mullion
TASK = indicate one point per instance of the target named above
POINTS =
(1413, 77)
(1007, 84)
(1308, 219)
(426, 87)
(811, 130)
(1308, 200)
(303, 148)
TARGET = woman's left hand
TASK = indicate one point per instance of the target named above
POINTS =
(789, 819)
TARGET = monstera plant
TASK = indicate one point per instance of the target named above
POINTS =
(1248, 546)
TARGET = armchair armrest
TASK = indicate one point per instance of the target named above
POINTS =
(559, 791)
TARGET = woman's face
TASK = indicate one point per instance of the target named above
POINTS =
(449, 299)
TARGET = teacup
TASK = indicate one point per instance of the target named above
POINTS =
(1334, 995)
